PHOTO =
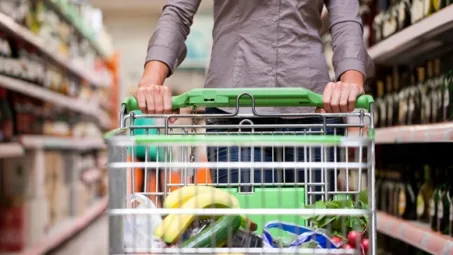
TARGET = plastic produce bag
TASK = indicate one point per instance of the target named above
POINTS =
(303, 237)
(139, 229)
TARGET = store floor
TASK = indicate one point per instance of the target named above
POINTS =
(93, 240)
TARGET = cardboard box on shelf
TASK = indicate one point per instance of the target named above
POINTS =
(50, 175)
(60, 205)
(81, 201)
(14, 177)
(37, 221)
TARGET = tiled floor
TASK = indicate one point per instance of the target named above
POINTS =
(93, 240)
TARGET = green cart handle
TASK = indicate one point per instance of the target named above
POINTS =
(268, 97)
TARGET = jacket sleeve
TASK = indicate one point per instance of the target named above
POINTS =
(167, 44)
(349, 52)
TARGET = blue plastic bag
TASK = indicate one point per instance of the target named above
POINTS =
(302, 234)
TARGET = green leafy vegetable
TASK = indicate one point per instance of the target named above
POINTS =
(338, 224)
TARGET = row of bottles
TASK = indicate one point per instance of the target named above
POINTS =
(424, 195)
(395, 15)
(408, 96)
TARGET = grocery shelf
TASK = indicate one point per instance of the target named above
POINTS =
(70, 17)
(415, 234)
(67, 229)
(49, 142)
(36, 91)
(442, 132)
(427, 35)
(9, 150)
(25, 34)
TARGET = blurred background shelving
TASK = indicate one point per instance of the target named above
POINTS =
(58, 95)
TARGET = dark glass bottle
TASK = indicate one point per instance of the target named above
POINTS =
(436, 95)
(424, 195)
(380, 109)
(426, 90)
(404, 14)
(443, 207)
(433, 214)
(447, 95)
(389, 100)
(403, 100)
(6, 117)
(411, 101)
(407, 202)
(395, 97)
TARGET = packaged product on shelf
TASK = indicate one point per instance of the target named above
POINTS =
(403, 98)
(443, 207)
(388, 101)
(12, 225)
(380, 109)
(6, 117)
(404, 14)
(436, 93)
(407, 205)
(434, 202)
(14, 177)
(16, 9)
(417, 11)
(424, 196)
(447, 90)
(5, 53)
(426, 91)
(390, 24)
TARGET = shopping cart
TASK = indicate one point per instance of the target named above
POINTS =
(278, 173)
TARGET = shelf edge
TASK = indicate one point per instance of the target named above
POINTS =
(418, 237)
(77, 225)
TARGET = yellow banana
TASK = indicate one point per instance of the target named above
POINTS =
(174, 225)
(178, 197)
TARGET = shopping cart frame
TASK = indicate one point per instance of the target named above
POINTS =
(222, 98)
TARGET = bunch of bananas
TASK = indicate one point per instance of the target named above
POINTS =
(192, 197)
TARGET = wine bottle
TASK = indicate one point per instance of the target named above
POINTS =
(436, 95)
(403, 102)
(424, 196)
(419, 112)
(389, 100)
(395, 96)
(443, 206)
(380, 111)
(447, 92)
(390, 22)
(427, 91)
(407, 205)
(428, 8)
(433, 203)
(416, 11)
(404, 14)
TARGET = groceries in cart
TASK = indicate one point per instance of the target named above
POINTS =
(190, 231)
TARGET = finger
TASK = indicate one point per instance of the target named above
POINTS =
(141, 99)
(327, 95)
(320, 110)
(335, 100)
(166, 94)
(150, 108)
(344, 97)
(158, 100)
(353, 94)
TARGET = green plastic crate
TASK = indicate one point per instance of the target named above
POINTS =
(272, 198)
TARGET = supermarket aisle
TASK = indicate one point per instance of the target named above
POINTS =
(91, 241)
